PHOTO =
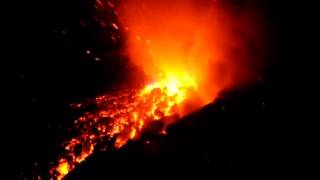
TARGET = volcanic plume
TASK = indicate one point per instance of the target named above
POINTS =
(190, 50)
(203, 44)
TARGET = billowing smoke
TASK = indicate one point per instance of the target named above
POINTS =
(213, 45)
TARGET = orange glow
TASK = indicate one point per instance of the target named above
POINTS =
(199, 44)
(190, 50)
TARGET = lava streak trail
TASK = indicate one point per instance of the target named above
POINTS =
(190, 49)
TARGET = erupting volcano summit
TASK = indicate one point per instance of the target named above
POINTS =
(191, 50)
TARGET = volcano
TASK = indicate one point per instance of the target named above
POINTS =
(189, 51)
(159, 84)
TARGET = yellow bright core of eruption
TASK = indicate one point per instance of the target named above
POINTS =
(172, 86)
(175, 85)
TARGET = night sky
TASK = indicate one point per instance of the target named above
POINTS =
(59, 55)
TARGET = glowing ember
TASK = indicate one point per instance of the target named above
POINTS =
(121, 117)
(191, 49)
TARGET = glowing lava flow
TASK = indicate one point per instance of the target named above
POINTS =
(121, 117)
